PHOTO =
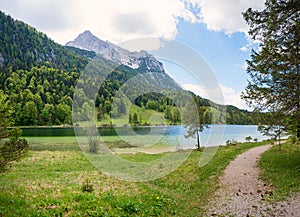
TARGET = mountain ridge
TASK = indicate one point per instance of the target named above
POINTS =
(24, 47)
(141, 61)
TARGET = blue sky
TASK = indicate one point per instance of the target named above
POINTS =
(221, 51)
(213, 28)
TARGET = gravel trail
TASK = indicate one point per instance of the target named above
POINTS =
(242, 193)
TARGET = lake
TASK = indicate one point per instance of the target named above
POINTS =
(171, 135)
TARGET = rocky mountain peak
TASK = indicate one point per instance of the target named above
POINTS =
(88, 41)
(141, 61)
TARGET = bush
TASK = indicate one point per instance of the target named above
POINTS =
(231, 142)
(87, 186)
(11, 151)
(248, 138)
(14, 148)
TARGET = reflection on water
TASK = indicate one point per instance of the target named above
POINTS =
(170, 135)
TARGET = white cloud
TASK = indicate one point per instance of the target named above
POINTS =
(222, 94)
(46, 15)
(225, 15)
(244, 49)
(121, 20)
(116, 20)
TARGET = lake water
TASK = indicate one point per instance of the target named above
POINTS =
(172, 135)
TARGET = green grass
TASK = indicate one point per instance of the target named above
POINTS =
(53, 143)
(48, 182)
(148, 116)
(281, 170)
(69, 143)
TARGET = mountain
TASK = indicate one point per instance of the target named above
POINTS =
(144, 62)
(39, 77)
(23, 47)
(81, 52)
(141, 61)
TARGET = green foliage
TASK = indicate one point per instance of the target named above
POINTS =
(248, 138)
(231, 142)
(220, 114)
(41, 96)
(135, 118)
(87, 186)
(216, 114)
(194, 117)
(130, 119)
(11, 151)
(274, 125)
(6, 118)
(63, 113)
(238, 116)
(84, 53)
(14, 148)
(275, 68)
(23, 47)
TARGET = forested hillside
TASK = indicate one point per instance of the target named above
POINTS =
(23, 47)
(39, 77)
(43, 95)
(84, 53)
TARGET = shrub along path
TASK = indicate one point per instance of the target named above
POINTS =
(242, 193)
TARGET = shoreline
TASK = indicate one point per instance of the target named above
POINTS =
(113, 126)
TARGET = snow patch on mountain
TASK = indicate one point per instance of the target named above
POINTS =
(141, 61)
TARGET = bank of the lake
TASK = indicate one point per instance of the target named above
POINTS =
(49, 182)
(214, 135)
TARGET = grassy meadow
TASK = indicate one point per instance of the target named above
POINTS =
(281, 170)
(148, 116)
(50, 181)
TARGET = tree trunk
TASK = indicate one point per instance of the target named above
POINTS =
(198, 140)
(279, 142)
(298, 130)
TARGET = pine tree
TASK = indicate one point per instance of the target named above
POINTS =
(275, 68)
(14, 148)
(135, 118)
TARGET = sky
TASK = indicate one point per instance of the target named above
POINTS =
(215, 29)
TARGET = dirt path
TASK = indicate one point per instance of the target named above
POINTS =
(242, 193)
